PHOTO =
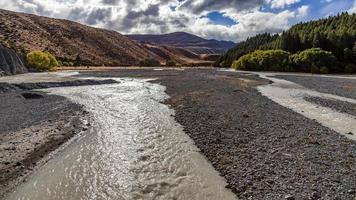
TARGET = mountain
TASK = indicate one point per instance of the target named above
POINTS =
(74, 42)
(186, 41)
(336, 34)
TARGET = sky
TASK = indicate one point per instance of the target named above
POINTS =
(232, 20)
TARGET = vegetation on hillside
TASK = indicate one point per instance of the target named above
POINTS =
(171, 63)
(149, 62)
(42, 61)
(270, 60)
(313, 60)
(242, 48)
(336, 34)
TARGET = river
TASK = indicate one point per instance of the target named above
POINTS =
(133, 150)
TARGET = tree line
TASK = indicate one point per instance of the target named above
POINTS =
(335, 34)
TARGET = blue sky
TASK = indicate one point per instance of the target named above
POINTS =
(317, 9)
(233, 20)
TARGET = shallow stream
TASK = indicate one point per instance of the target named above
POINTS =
(134, 150)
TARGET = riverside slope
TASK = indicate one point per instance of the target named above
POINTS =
(81, 44)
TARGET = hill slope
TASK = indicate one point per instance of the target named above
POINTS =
(336, 34)
(71, 41)
(68, 40)
(186, 41)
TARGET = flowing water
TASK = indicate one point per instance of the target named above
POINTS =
(134, 150)
(291, 95)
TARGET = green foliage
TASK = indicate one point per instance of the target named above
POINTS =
(67, 63)
(248, 46)
(311, 60)
(348, 54)
(42, 61)
(324, 70)
(350, 68)
(267, 60)
(149, 62)
(335, 34)
(170, 63)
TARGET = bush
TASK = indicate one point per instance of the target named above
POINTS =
(149, 62)
(42, 61)
(269, 60)
(314, 69)
(324, 70)
(350, 68)
(170, 63)
(311, 60)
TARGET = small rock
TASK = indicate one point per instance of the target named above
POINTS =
(350, 133)
(315, 195)
(245, 116)
(351, 191)
(289, 197)
(29, 95)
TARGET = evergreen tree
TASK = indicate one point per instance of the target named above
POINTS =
(334, 34)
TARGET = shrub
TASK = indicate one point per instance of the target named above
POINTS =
(149, 62)
(170, 63)
(350, 68)
(42, 61)
(314, 69)
(311, 60)
(269, 60)
(324, 70)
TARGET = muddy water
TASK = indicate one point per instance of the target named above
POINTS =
(135, 150)
(291, 95)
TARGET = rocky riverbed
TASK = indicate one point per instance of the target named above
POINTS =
(262, 149)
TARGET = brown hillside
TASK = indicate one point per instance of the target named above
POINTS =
(69, 40)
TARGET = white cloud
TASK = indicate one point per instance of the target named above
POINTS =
(282, 3)
(163, 16)
(353, 8)
(303, 11)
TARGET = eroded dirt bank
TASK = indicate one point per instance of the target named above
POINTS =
(265, 151)
(31, 129)
(34, 124)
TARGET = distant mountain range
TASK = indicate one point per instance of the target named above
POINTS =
(71, 41)
(186, 41)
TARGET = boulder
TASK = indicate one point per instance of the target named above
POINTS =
(11, 62)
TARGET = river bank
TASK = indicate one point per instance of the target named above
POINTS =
(34, 125)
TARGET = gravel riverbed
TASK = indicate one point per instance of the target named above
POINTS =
(341, 106)
(337, 86)
(264, 151)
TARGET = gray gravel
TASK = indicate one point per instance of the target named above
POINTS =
(336, 86)
(17, 112)
(6, 87)
(341, 106)
(264, 151)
